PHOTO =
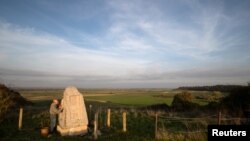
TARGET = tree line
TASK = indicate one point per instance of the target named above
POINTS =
(221, 88)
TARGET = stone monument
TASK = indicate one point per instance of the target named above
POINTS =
(73, 120)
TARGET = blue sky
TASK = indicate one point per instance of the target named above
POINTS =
(124, 44)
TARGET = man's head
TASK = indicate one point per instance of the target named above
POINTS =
(55, 101)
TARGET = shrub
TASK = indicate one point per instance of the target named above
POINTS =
(43, 118)
(215, 96)
(183, 102)
(10, 99)
(237, 101)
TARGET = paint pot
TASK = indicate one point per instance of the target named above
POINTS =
(45, 131)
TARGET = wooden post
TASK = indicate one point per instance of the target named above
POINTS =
(90, 112)
(96, 126)
(124, 120)
(20, 119)
(219, 118)
(156, 123)
(108, 118)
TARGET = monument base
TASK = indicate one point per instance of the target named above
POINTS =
(81, 130)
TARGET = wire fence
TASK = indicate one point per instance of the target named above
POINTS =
(170, 125)
(104, 117)
(167, 125)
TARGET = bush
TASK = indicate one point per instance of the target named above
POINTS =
(10, 99)
(215, 96)
(43, 118)
(237, 101)
(183, 102)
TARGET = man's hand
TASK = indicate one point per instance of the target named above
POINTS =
(60, 108)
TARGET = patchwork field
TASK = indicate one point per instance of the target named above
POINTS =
(130, 97)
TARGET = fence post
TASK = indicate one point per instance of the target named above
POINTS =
(124, 129)
(156, 123)
(96, 126)
(108, 118)
(20, 121)
(219, 118)
(90, 112)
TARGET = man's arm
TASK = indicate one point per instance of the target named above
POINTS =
(54, 109)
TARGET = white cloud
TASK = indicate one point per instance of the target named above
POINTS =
(196, 36)
(43, 52)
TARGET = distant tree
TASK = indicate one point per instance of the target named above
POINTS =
(221, 88)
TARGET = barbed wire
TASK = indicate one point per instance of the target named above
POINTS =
(184, 132)
(202, 118)
(225, 119)
(180, 118)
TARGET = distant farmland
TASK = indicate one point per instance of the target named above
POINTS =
(132, 97)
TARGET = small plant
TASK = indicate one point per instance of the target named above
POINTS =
(44, 118)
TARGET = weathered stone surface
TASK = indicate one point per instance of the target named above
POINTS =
(73, 120)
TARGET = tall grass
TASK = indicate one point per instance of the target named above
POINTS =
(182, 130)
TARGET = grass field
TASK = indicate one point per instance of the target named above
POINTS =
(135, 100)
(132, 97)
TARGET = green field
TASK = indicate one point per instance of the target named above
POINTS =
(132, 97)
(135, 100)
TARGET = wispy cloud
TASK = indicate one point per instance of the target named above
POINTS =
(196, 35)
(127, 44)
(38, 51)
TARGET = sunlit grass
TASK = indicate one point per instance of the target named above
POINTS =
(142, 100)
